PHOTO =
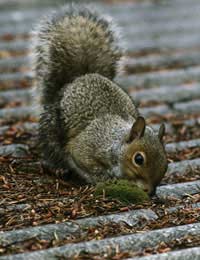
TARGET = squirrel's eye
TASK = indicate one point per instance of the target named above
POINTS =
(139, 159)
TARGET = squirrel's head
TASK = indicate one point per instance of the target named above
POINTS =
(144, 160)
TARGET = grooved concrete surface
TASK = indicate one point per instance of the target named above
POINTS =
(162, 75)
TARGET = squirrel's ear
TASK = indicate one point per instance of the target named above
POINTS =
(138, 128)
(161, 132)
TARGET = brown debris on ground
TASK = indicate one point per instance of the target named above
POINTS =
(49, 200)
(29, 197)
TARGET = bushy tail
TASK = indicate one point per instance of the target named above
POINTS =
(72, 42)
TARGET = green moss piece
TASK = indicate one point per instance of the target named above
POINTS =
(122, 190)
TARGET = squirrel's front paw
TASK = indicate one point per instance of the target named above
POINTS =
(64, 174)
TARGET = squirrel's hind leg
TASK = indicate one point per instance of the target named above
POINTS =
(51, 143)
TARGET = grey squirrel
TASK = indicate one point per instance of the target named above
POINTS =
(88, 125)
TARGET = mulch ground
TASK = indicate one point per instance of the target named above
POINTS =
(47, 199)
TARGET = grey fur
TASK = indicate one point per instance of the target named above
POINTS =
(86, 120)
(73, 42)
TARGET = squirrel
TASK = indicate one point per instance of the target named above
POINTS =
(89, 126)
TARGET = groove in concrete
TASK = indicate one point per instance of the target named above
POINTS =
(77, 227)
(162, 94)
(190, 106)
(177, 147)
(188, 40)
(168, 94)
(17, 45)
(138, 31)
(16, 76)
(178, 108)
(19, 17)
(161, 43)
(183, 166)
(184, 254)
(140, 11)
(17, 208)
(27, 127)
(14, 150)
(16, 62)
(108, 246)
(178, 190)
(190, 58)
(142, 30)
(180, 207)
(155, 110)
(165, 78)
(21, 95)
(33, 127)
(192, 121)
(15, 30)
(18, 113)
